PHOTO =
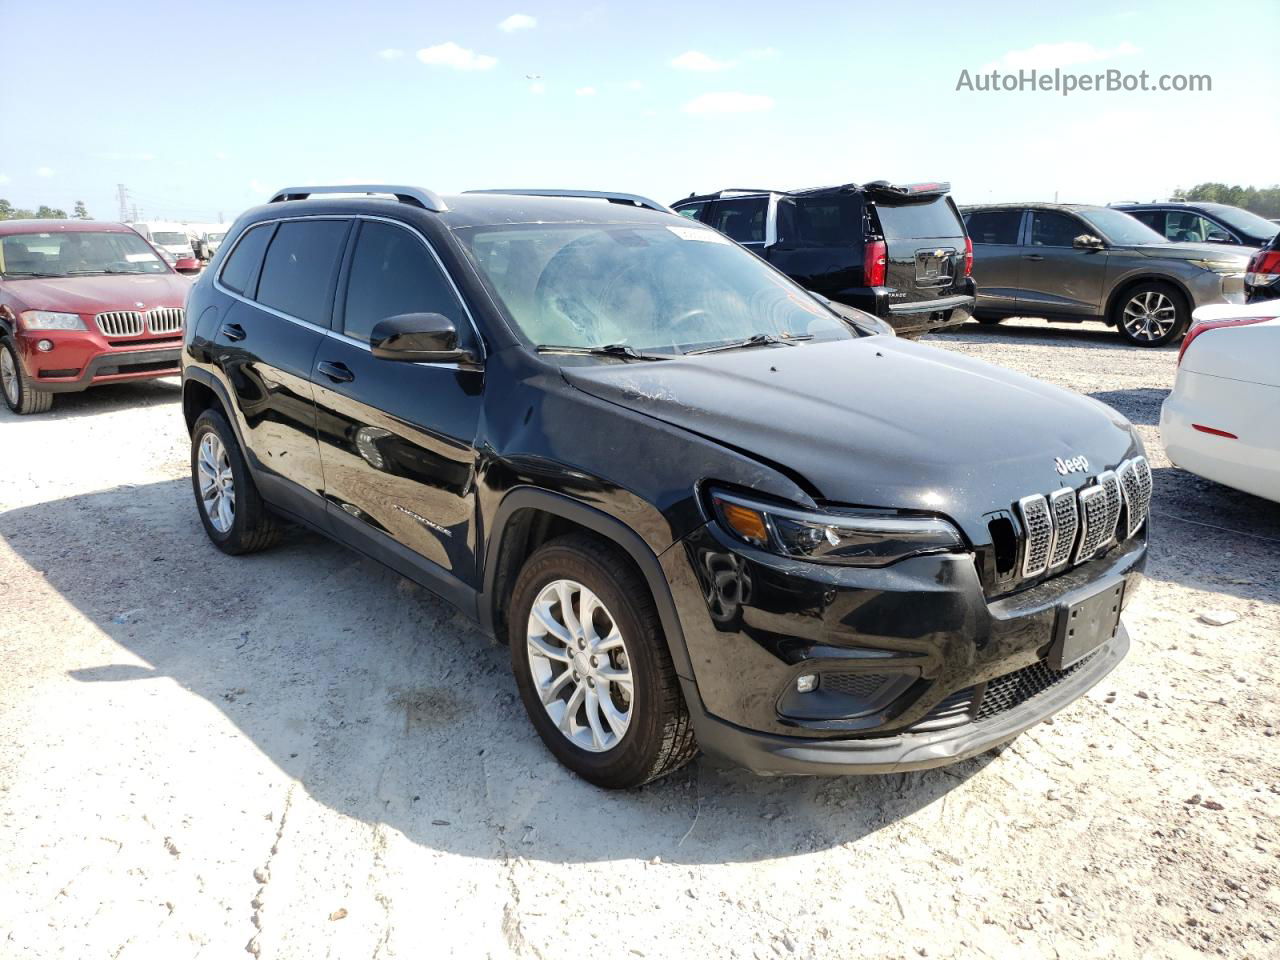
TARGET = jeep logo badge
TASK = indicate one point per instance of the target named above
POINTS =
(1072, 465)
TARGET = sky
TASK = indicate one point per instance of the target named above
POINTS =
(206, 109)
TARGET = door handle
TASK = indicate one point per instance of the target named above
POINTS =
(1032, 256)
(337, 372)
(233, 331)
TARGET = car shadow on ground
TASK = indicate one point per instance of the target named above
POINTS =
(105, 399)
(387, 706)
(1141, 405)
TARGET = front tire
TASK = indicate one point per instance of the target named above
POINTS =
(19, 395)
(1152, 314)
(592, 666)
(231, 509)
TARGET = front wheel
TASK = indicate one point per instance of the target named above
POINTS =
(592, 666)
(233, 513)
(1152, 315)
(19, 395)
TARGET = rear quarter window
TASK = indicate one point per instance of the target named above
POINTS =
(242, 266)
(994, 226)
(913, 221)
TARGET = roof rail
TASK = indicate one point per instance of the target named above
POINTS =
(632, 198)
(415, 196)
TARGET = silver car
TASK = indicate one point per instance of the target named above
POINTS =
(1073, 262)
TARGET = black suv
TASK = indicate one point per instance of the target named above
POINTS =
(702, 508)
(898, 252)
(1187, 222)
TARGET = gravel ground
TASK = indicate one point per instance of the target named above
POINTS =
(301, 755)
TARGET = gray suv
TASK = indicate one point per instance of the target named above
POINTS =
(1073, 262)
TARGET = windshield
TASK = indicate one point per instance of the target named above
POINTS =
(1118, 227)
(169, 239)
(660, 288)
(1243, 220)
(76, 253)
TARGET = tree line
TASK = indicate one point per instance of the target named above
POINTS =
(9, 212)
(1264, 201)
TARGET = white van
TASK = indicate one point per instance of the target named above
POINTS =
(170, 238)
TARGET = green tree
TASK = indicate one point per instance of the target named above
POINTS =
(6, 209)
(1264, 201)
(50, 213)
(81, 213)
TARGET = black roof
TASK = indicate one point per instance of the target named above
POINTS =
(1032, 204)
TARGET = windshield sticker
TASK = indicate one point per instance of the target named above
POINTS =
(139, 257)
(699, 233)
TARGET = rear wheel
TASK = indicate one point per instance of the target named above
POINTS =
(19, 395)
(592, 665)
(1152, 314)
(233, 513)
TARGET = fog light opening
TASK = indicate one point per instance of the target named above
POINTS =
(806, 683)
(44, 346)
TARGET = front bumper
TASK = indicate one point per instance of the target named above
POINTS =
(922, 633)
(81, 359)
(781, 756)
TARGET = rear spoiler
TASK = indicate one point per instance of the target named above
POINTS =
(908, 191)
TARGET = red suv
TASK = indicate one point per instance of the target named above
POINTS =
(83, 303)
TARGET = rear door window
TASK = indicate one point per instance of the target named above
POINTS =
(742, 220)
(1052, 229)
(241, 268)
(392, 272)
(914, 221)
(825, 220)
(995, 226)
(300, 267)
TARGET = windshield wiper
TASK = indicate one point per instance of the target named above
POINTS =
(755, 340)
(620, 351)
(28, 273)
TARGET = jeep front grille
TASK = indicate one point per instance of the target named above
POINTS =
(120, 323)
(1135, 479)
(1037, 527)
(165, 320)
(1100, 512)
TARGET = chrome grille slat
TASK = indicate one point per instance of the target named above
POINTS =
(1099, 514)
(1135, 478)
(165, 319)
(1066, 523)
(120, 323)
(1037, 528)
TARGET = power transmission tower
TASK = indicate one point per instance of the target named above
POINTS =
(123, 192)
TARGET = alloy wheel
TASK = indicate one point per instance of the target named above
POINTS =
(217, 483)
(580, 666)
(1149, 315)
(9, 375)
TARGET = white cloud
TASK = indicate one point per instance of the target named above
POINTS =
(517, 21)
(538, 87)
(44, 171)
(635, 85)
(585, 91)
(258, 187)
(729, 102)
(220, 155)
(1047, 56)
(3, 178)
(700, 62)
(391, 53)
(459, 58)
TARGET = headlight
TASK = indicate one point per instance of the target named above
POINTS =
(44, 320)
(1222, 266)
(859, 538)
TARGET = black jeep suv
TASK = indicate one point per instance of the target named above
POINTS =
(703, 509)
(898, 252)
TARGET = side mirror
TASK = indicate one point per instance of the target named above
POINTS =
(1087, 241)
(418, 338)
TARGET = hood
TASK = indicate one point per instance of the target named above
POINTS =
(879, 421)
(1194, 251)
(99, 294)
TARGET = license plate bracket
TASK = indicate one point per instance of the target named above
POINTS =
(1084, 625)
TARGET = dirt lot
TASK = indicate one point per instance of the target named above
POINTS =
(302, 755)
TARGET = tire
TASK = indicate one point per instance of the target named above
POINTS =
(19, 395)
(1151, 314)
(248, 526)
(657, 737)
(989, 321)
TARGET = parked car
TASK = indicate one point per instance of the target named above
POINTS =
(1074, 262)
(83, 303)
(1262, 277)
(207, 238)
(897, 252)
(1193, 222)
(173, 242)
(701, 508)
(1220, 422)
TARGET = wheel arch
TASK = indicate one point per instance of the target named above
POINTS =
(528, 517)
(1129, 283)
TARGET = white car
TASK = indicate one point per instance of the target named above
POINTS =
(1222, 420)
